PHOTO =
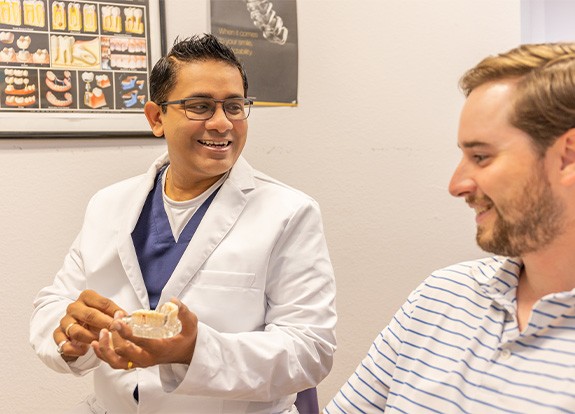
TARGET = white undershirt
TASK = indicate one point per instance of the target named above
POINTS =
(180, 212)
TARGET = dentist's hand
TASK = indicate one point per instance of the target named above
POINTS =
(82, 323)
(126, 351)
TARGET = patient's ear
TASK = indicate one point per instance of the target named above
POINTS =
(568, 158)
(153, 113)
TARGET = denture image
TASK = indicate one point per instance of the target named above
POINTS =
(20, 100)
(19, 90)
(58, 85)
(20, 86)
(67, 101)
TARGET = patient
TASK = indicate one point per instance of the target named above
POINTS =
(494, 335)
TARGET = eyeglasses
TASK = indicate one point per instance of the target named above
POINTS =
(202, 109)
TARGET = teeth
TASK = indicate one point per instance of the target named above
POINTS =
(481, 210)
(214, 143)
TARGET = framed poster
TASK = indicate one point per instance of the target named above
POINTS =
(77, 68)
(264, 36)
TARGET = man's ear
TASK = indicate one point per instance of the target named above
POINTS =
(568, 157)
(153, 113)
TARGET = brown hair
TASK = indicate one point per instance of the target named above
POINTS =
(544, 103)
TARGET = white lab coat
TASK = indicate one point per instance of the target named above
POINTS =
(258, 275)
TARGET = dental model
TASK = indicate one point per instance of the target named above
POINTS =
(265, 18)
(23, 42)
(133, 21)
(7, 55)
(83, 54)
(163, 323)
(20, 100)
(62, 48)
(61, 103)
(34, 13)
(56, 84)
(111, 19)
(74, 17)
(41, 57)
(6, 37)
(67, 52)
(23, 56)
(95, 98)
(58, 15)
(90, 20)
(103, 81)
(19, 90)
(19, 86)
(10, 12)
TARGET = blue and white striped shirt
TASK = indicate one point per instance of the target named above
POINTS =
(455, 347)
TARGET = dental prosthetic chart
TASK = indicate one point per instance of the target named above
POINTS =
(74, 56)
(202, 285)
(494, 335)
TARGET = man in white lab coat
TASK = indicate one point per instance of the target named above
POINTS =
(242, 255)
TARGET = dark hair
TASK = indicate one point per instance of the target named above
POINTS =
(544, 100)
(189, 50)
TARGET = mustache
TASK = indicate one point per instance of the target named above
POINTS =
(474, 199)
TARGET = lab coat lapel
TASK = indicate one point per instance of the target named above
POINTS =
(219, 219)
(125, 245)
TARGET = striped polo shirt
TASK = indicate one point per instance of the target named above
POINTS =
(455, 347)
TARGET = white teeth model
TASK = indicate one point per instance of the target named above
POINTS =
(58, 15)
(23, 56)
(40, 56)
(58, 85)
(34, 13)
(67, 101)
(89, 12)
(88, 76)
(23, 42)
(7, 54)
(6, 37)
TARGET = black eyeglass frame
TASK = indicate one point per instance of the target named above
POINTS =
(248, 102)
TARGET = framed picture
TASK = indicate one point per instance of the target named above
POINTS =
(77, 68)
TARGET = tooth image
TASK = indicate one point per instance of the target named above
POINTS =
(55, 48)
(40, 13)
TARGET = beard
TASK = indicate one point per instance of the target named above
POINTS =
(525, 224)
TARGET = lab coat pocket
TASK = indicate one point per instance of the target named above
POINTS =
(227, 301)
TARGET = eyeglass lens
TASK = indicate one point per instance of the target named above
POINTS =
(204, 108)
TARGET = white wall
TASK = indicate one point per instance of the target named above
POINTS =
(373, 140)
